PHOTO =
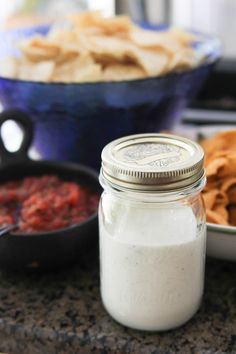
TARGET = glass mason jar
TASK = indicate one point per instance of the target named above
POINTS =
(152, 230)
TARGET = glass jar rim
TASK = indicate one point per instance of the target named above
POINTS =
(192, 189)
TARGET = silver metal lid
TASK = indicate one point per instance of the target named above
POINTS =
(156, 162)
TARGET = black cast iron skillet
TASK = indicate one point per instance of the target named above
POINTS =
(43, 250)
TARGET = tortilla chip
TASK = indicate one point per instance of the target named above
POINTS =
(155, 40)
(215, 165)
(228, 183)
(183, 59)
(111, 42)
(62, 35)
(221, 210)
(213, 147)
(212, 183)
(220, 142)
(232, 195)
(106, 48)
(229, 139)
(229, 186)
(220, 192)
(109, 47)
(33, 71)
(153, 63)
(81, 69)
(114, 25)
(229, 169)
(86, 19)
(216, 201)
(8, 67)
(117, 72)
(40, 48)
(183, 37)
(215, 218)
(232, 214)
(210, 198)
(91, 73)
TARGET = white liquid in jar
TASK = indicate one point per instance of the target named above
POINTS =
(152, 264)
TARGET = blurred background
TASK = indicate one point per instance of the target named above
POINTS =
(215, 17)
(216, 102)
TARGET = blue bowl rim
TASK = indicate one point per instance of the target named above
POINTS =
(215, 51)
(107, 83)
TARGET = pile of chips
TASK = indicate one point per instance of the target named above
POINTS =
(91, 48)
(220, 192)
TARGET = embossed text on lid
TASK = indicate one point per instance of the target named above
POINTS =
(152, 161)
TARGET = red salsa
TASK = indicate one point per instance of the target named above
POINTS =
(45, 203)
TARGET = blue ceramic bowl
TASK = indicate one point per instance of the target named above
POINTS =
(75, 121)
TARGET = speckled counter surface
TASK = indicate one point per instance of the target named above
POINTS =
(62, 313)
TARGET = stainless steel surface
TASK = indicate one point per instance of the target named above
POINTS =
(216, 17)
(152, 162)
(209, 116)
(145, 11)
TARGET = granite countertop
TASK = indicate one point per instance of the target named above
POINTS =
(62, 313)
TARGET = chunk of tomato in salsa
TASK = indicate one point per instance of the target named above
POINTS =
(45, 203)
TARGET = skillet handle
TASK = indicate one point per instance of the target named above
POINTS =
(21, 155)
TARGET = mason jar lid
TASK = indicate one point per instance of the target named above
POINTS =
(152, 162)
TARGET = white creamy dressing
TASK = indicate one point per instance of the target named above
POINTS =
(152, 263)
